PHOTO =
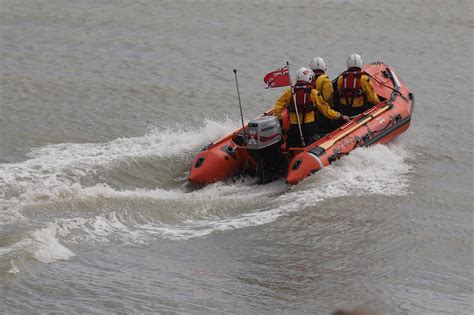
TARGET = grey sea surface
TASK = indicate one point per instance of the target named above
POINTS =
(105, 103)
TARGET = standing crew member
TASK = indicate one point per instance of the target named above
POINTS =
(355, 92)
(308, 103)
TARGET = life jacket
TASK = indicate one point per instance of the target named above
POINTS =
(317, 74)
(304, 103)
(351, 87)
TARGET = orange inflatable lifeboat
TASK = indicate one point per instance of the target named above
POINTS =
(258, 149)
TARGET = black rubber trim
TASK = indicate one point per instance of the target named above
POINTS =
(317, 150)
(207, 146)
(199, 162)
(297, 165)
(229, 150)
(412, 98)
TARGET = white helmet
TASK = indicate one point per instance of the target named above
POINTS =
(317, 64)
(354, 61)
(304, 74)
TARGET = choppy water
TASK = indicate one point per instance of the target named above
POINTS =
(104, 104)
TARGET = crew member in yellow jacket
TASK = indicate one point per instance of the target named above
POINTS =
(322, 83)
(355, 92)
(309, 103)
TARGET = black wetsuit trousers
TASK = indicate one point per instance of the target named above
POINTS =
(309, 131)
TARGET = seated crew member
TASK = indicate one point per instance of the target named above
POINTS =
(354, 93)
(323, 84)
(321, 80)
(309, 103)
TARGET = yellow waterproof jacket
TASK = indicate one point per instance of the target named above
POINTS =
(324, 86)
(318, 103)
(367, 88)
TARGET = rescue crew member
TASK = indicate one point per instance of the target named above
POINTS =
(321, 80)
(354, 93)
(309, 103)
(323, 84)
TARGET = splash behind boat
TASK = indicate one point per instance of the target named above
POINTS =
(256, 149)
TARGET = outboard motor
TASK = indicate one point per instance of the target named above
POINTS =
(263, 141)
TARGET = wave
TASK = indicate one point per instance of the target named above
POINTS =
(219, 207)
(61, 178)
(56, 171)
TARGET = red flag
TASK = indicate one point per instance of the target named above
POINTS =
(277, 78)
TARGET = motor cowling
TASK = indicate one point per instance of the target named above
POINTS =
(262, 132)
(263, 138)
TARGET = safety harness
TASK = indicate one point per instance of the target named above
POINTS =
(304, 104)
(351, 87)
(317, 74)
